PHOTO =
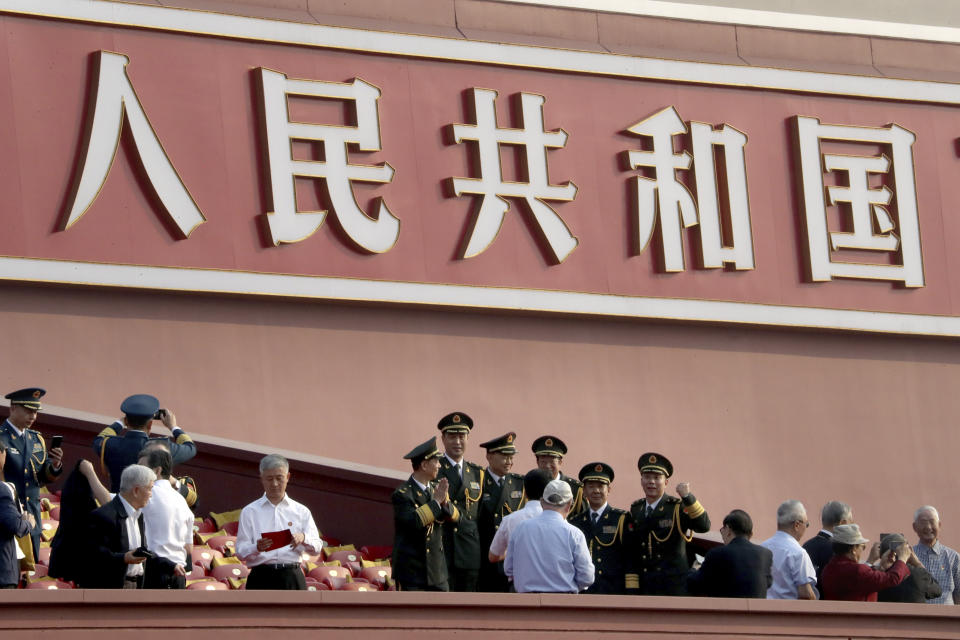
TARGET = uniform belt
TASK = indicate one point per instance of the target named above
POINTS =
(277, 567)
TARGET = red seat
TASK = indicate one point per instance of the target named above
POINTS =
(203, 556)
(319, 573)
(223, 544)
(348, 558)
(206, 525)
(49, 584)
(231, 528)
(44, 558)
(379, 576)
(376, 552)
(225, 571)
(197, 572)
(39, 571)
(316, 585)
(208, 585)
(335, 582)
(55, 513)
(357, 586)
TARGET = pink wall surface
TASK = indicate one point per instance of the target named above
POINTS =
(749, 417)
(76, 615)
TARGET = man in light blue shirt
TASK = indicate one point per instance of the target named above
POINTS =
(793, 574)
(546, 554)
(533, 485)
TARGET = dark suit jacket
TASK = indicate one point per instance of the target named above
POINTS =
(919, 587)
(107, 544)
(820, 550)
(659, 546)
(740, 569)
(495, 503)
(13, 524)
(28, 468)
(607, 541)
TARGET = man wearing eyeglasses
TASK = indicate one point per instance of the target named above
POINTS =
(793, 574)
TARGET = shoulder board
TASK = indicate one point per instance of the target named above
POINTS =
(616, 512)
(636, 502)
(670, 500)
(472, 465)
(515, 476)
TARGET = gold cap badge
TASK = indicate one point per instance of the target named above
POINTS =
(652, 459)
(548, 442)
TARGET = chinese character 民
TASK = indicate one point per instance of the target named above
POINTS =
(535, 141)
(114, 98)
(862, 193)
(722, 241)
(288, 225)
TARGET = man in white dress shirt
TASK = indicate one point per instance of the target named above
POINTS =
(276, 567)
(793, 574)
(533, 485)
(169, 525)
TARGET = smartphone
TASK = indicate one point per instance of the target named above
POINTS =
(143, 552)
(159, 414)
(56, 441)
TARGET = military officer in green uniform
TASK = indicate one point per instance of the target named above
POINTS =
(420, 506)
(28, 464)
(661, 529)
(607, 530)
(502, 494)
(461, 539)
(549, 451)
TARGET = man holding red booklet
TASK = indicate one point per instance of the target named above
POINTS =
(274, 531)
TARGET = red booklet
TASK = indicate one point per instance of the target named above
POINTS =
(280, 538)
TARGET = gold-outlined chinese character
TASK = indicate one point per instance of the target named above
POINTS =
(873, 223)
(535, 140)
(286, 224)
(723, 240)
(115, 98)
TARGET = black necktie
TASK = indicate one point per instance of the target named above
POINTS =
(649, 511)
(595, 517)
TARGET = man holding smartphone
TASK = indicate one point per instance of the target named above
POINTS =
(116, 539)
(116, 452)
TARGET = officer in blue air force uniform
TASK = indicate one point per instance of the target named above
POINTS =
(28, 464)
(117, 452)
(461, 539)
(502, 494)
(420, 506)
(661, 523)
(607, 530)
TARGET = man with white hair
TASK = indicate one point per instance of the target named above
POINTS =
(274, 530)
(117, 542)
(793, 572)
(943, 563)
(546, 554)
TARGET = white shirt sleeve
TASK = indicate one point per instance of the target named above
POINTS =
(246, 544)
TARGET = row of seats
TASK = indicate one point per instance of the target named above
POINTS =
(339, 567)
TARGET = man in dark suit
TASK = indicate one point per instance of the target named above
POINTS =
(117, 452)
(115, 534)
(502, 494)
(461, 539)
(739, 569)
(607, 530)
(661, 523)
(14, 523)
(420, 506)
(29, 465)
(820, 547)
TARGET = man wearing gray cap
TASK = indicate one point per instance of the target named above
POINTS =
(546, 554)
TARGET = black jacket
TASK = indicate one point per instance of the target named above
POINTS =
(820, 550)
(107, 544)
(418, 542)
(739, 569)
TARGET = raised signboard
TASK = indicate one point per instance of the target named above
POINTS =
(299, 160)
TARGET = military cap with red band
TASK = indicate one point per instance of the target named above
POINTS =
(549, 446)
(504, 444)
(655, 462)
(596, 472)
(29, 397)
(456, 422)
